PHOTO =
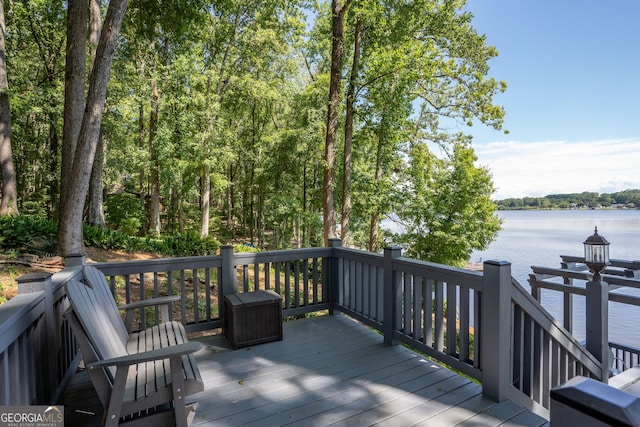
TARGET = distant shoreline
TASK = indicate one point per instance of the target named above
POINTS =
(570, 209)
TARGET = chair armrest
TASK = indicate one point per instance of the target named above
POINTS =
(150, 302)
(161, 302)
(147, 356)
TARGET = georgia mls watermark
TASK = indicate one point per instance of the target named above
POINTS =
(32, 416)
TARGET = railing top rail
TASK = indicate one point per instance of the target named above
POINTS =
(158, 264)
(63, 276)
(280, 255)
(351, 254)
(210, 261)
(17, 315)
(539, 273)
(440, 272)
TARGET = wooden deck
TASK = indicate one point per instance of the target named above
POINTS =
(328, 370)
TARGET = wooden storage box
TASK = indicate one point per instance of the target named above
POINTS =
(253, 318)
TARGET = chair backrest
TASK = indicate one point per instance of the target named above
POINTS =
(98, 282)
(96, 320)
(102, 379)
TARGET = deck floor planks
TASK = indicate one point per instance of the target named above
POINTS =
(432, 407)
(327, 370)
(358, 396)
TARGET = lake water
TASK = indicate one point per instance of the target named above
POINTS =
(539, 238)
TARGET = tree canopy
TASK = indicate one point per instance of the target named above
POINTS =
(260, 121)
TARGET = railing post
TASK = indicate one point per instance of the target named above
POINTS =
(43, 282)
(392, 294)
(567, 297)
(229, 279)
(597, 323)
(75, 260)
(495, 328)
(333, 275)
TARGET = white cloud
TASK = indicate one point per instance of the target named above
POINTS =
(522, 169)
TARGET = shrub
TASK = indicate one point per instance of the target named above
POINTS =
(188, 244)
(123, 212)
(28, 234)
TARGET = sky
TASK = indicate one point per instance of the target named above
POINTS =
(572, 69)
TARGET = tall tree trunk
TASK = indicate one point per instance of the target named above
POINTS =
(95, 209)
(9, 190)
(338, 10)
(70, 239)
(348, 138)
(206, 199)
(180, 211)
(374, 225)
(74, 90)
(143, 172)
(220, 89)
(54, 148)
(154, 174)
(230, 201)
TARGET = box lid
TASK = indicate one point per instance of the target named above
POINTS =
(254, 298)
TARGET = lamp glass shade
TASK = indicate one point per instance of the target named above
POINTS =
(596, 250)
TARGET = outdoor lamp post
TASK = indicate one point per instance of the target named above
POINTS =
(596, 254)
(596, 257)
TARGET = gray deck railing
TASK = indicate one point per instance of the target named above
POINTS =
(37, 349)
(483, 324)
(570, 280)
(202, 282)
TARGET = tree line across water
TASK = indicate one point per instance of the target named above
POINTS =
(627, 199)
(278, 122)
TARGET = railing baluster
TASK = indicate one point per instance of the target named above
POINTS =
(546, 368)
(196, 299)
(464, 325)
(207, 292)
(278, 272)
(156, 294)
(183, 297)
(296, 282)
(267, 275)
(427, 309)
(315, 281)
(417, 307)
(305, 280)
(287, 284)
(517, 377)
(407, 306)
(451, 316)
(256, 276)
(439, 316)
(366, 291)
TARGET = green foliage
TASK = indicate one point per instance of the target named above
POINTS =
(122, 212)
(445, 206)
(233, 99)
(244, 247)
(38, 235)
(27, 234)
(187, 244)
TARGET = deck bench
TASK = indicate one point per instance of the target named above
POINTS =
(141, 377)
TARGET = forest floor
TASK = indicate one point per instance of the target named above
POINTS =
(11, 269)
